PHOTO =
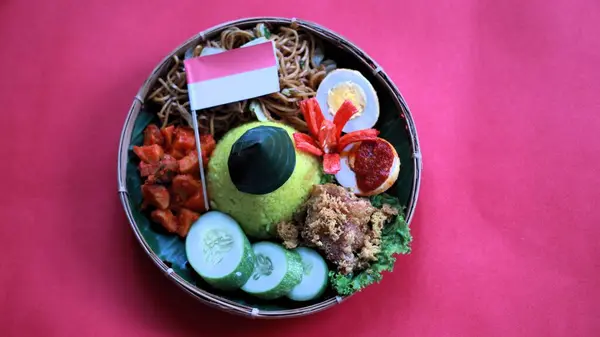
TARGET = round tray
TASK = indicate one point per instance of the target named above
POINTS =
(395, 123)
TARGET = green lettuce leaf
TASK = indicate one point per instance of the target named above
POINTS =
(327, 178)
(395, 238)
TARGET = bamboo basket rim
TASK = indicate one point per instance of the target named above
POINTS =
(125, 139)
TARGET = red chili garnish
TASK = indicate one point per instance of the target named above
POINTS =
(306, 144)
(328, 136)
(324, 139)
(331, 163)
(312, 115)
(343, 115)
(356, 136)
(303, 137)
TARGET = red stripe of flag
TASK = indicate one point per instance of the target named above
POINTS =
(231, 62)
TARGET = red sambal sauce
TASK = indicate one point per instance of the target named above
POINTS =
(372, 163)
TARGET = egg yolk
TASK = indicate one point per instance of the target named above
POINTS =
(346, 91)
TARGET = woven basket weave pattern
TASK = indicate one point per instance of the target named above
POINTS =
(320, 32)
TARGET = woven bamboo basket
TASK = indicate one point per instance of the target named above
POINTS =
(404, 136)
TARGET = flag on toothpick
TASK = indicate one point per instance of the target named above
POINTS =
(232, 76)
(227, 77)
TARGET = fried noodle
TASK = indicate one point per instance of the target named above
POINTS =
(299, 78)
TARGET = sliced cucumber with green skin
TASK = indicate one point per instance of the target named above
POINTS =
(276, 271)
(314, 278)
(219, 251)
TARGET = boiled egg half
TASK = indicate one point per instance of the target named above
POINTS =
(368, 167)
(347, 84)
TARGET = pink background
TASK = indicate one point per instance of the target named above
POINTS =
(506, 97)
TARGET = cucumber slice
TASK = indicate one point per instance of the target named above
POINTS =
(314, 278)
(219, 251)
(276, 271)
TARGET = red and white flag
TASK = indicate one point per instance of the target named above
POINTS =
(232, 76)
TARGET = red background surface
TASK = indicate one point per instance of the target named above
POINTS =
(506, 99)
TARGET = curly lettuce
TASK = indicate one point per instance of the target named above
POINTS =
(327, 178)
(395, 239)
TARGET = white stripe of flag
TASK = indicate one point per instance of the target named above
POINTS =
(232, 76)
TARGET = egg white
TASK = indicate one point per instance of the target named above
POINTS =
(370, 114)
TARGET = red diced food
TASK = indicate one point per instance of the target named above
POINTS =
(208, 145)
(152, 135)
(183, 140)
(176, 199)
(186, 218)
(184, 185)
(196, 202)
(147, 170)
(156, 195)
(167, 169)
(149, 154)
(167, 133)
(189, 164)
(166, 219)
(177, 154)
(169, 164)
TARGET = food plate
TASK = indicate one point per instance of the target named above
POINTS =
(375, 108)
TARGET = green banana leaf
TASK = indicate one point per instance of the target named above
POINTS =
(272, 153)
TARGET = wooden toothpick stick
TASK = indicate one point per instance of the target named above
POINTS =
(200, 159)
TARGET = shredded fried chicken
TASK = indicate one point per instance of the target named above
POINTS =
(288, 232)
(346, 228)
